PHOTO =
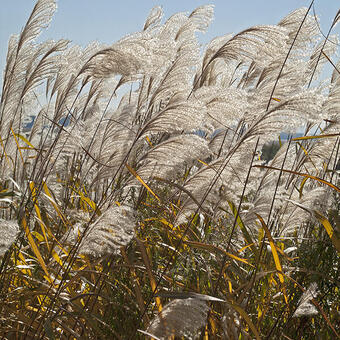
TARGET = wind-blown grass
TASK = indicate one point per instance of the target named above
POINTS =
(121, 220)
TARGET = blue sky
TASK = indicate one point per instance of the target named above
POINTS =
(83, 21)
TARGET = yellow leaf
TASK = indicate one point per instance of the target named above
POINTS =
(38, 236)
(134, 173)
(324, 221)
(245, 247)
(86, 200)
(37, 210)
(17, 143)
(316, 137)
(25, 140)
(147, 261)
(303, 149)
(302, 185)
(57, 258)
(35, 249)
(212, 248)
(329, 229)
(149, 141)
(275, 255)
(245, 316)
(230, 286)
(204, 163)
(300, 174)
(165, 222)
(21, 256)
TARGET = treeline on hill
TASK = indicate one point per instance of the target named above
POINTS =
(119, 221)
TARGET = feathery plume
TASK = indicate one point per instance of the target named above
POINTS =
(170, 157)
(9, 231)
(305, 307)
(113, 229)
(180, 317)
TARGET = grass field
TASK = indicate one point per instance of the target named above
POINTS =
(120, 221)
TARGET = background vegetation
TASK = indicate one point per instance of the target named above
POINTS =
(120, 221)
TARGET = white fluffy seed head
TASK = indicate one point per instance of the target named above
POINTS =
(9, 231)
(180, 317)
(113, 229)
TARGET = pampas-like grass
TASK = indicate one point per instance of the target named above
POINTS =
(305, 306)
(180, 317)
(155, 139)
(9, 232)
(112, 230)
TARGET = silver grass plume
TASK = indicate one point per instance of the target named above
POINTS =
(314, 199)
(174, 54)
(154, 18)
(321, 156)
(180, 317)
(245, 47)
(225, 106)
(321, 50)
(332, 103)
(308, 32)
(228, 175)
(305, 306)
(264, 193)
(287, 115)
(169, 158)
(28, 65)
(20, 47)
(182, 115)
(217, 65)
(221, 141)
(113, 229)
(9, 231)
(202, 16)
(40, 18)
(119, 59)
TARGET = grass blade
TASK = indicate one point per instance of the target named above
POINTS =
(275, 255)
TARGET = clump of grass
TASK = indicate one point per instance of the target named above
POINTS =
(121, 212)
